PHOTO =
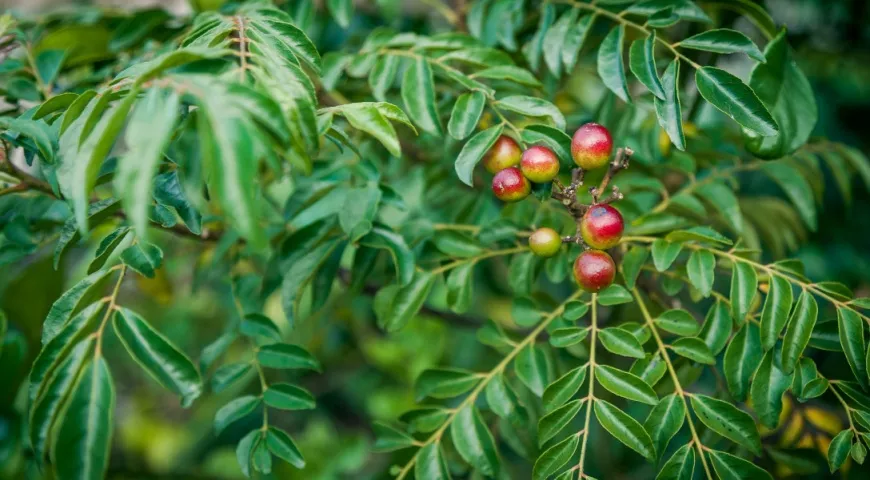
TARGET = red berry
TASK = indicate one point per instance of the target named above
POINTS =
(504, 153)
(591, 146)
(601, 226)
(594, 270)
(545, 242)
(510, 185)
(540, 164)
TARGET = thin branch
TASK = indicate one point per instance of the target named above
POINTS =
(591, 392)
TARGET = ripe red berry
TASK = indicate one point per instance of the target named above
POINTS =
(594, 270)
(591, 146)
(505, 152)
(545, 242)
(510, 185)
(539, 164)
(601, 226)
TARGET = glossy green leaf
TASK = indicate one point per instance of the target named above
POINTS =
(466, 113)
(694, 349)
(665, 420)
(288, 397)
(625, 384)
(81, 450)
(610, 66)
(649, 369)
(774, 314)
(503, 400)
(741, 359)
(554, 40)
(680, 466)
(851, 329)
(632, 262)
(235, 410)
(472, 152)
(553, 458)
(732, 467)
(431, 464)
(838, 450)
(800, 327)
(768, 387)
(444, 383)
(408, 301)
(553, 422)
(669, 109)
(700, 267)
(511, 73)
(258, 325)
(227, 374)
(642, 63)
(744, 283)
(144, 258)
(621, 342)
(158, 356)
(533, 107)
(716, 330)
(574, 39)
(564, 388)
(532, 366)
(735, 99)
(624, 428)
(664, 253)
(723, 40)
(403, 256)
(74, 300)
(700, 234)
(727, 420)
(723, 201)
(388, 439)
(107, 247)
(796, 188)
(286, 356)
(679, 322)
(299, 274)
(614, 295)
(474, 442)
(418, 95)
(565, 337)
(245, 448)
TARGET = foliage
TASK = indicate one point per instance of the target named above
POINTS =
(317, 196)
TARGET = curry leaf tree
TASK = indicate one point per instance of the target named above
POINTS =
(312, 173)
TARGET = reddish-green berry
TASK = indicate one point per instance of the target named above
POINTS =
(601, 226)
(504, 153)
(594, 270)
(591, 146)
(509, 185)
(545, 242)
(540, 164)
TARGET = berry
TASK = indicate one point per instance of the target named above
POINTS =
(545, 242)
(601, 226)
(539, 164)
(591, 146)
(594, 270)
(509, 185)
(504, 153)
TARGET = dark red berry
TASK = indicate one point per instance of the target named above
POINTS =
(510, 185)
(594, 270)
(601, 226)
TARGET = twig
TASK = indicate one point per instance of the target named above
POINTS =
(620, 162)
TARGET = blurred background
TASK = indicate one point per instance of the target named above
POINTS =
(369, 374)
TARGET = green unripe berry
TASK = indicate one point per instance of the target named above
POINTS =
(545, 242)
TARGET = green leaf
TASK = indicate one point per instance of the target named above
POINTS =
(728, 421)
(466, 113)
(774, 314)
(614, 295)
(245, 448)
(664, 253)
(408, 301)
(286, 356)
(403, 257)
(621, 342)
(145, 258)
(565, 337)
(650, 370)
(388, 439)
(700, 234)
(532, 366)
(73, 301)
(744, 283)
(625, 384)
(54, 104)
(838, 450)
(624, 428)
(684, 9)
(431, 464)
(533, 107)
(669, 108)
(785, 91)
(258, 325)
(366, 117)
(563, 389)
(553, 422)
(502, 399)
(460, 285)
(642, 63)
(735, 99)
(796, 188)
(38, 131)
(227, 374)
(717, 327)
(731, 467)
(444, 383)
(632, 262)
(665, 420)
(85, 435)
(360, 208)
(299, 274)
(574, 39)
(700, 267)
(511, 73)
(147, 135)
(694, 349)
(679, 322)
(261, 460)
(800, 327)
(341, 11)
(723, 40)
(474, 441)
(741, 359)
(852, 339)
(418, 94)
(681, 465)
(555, 38)
(610, 66)
(725, 202)
(768, 387)
(555, 457)
(107, 247)
(288, 397)
(473, 151)
(235, 410)
(158, 356)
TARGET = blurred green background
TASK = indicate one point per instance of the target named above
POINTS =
(369, 376)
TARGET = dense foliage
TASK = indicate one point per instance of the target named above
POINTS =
(266, 228)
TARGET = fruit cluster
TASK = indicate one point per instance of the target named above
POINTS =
(599, 225)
